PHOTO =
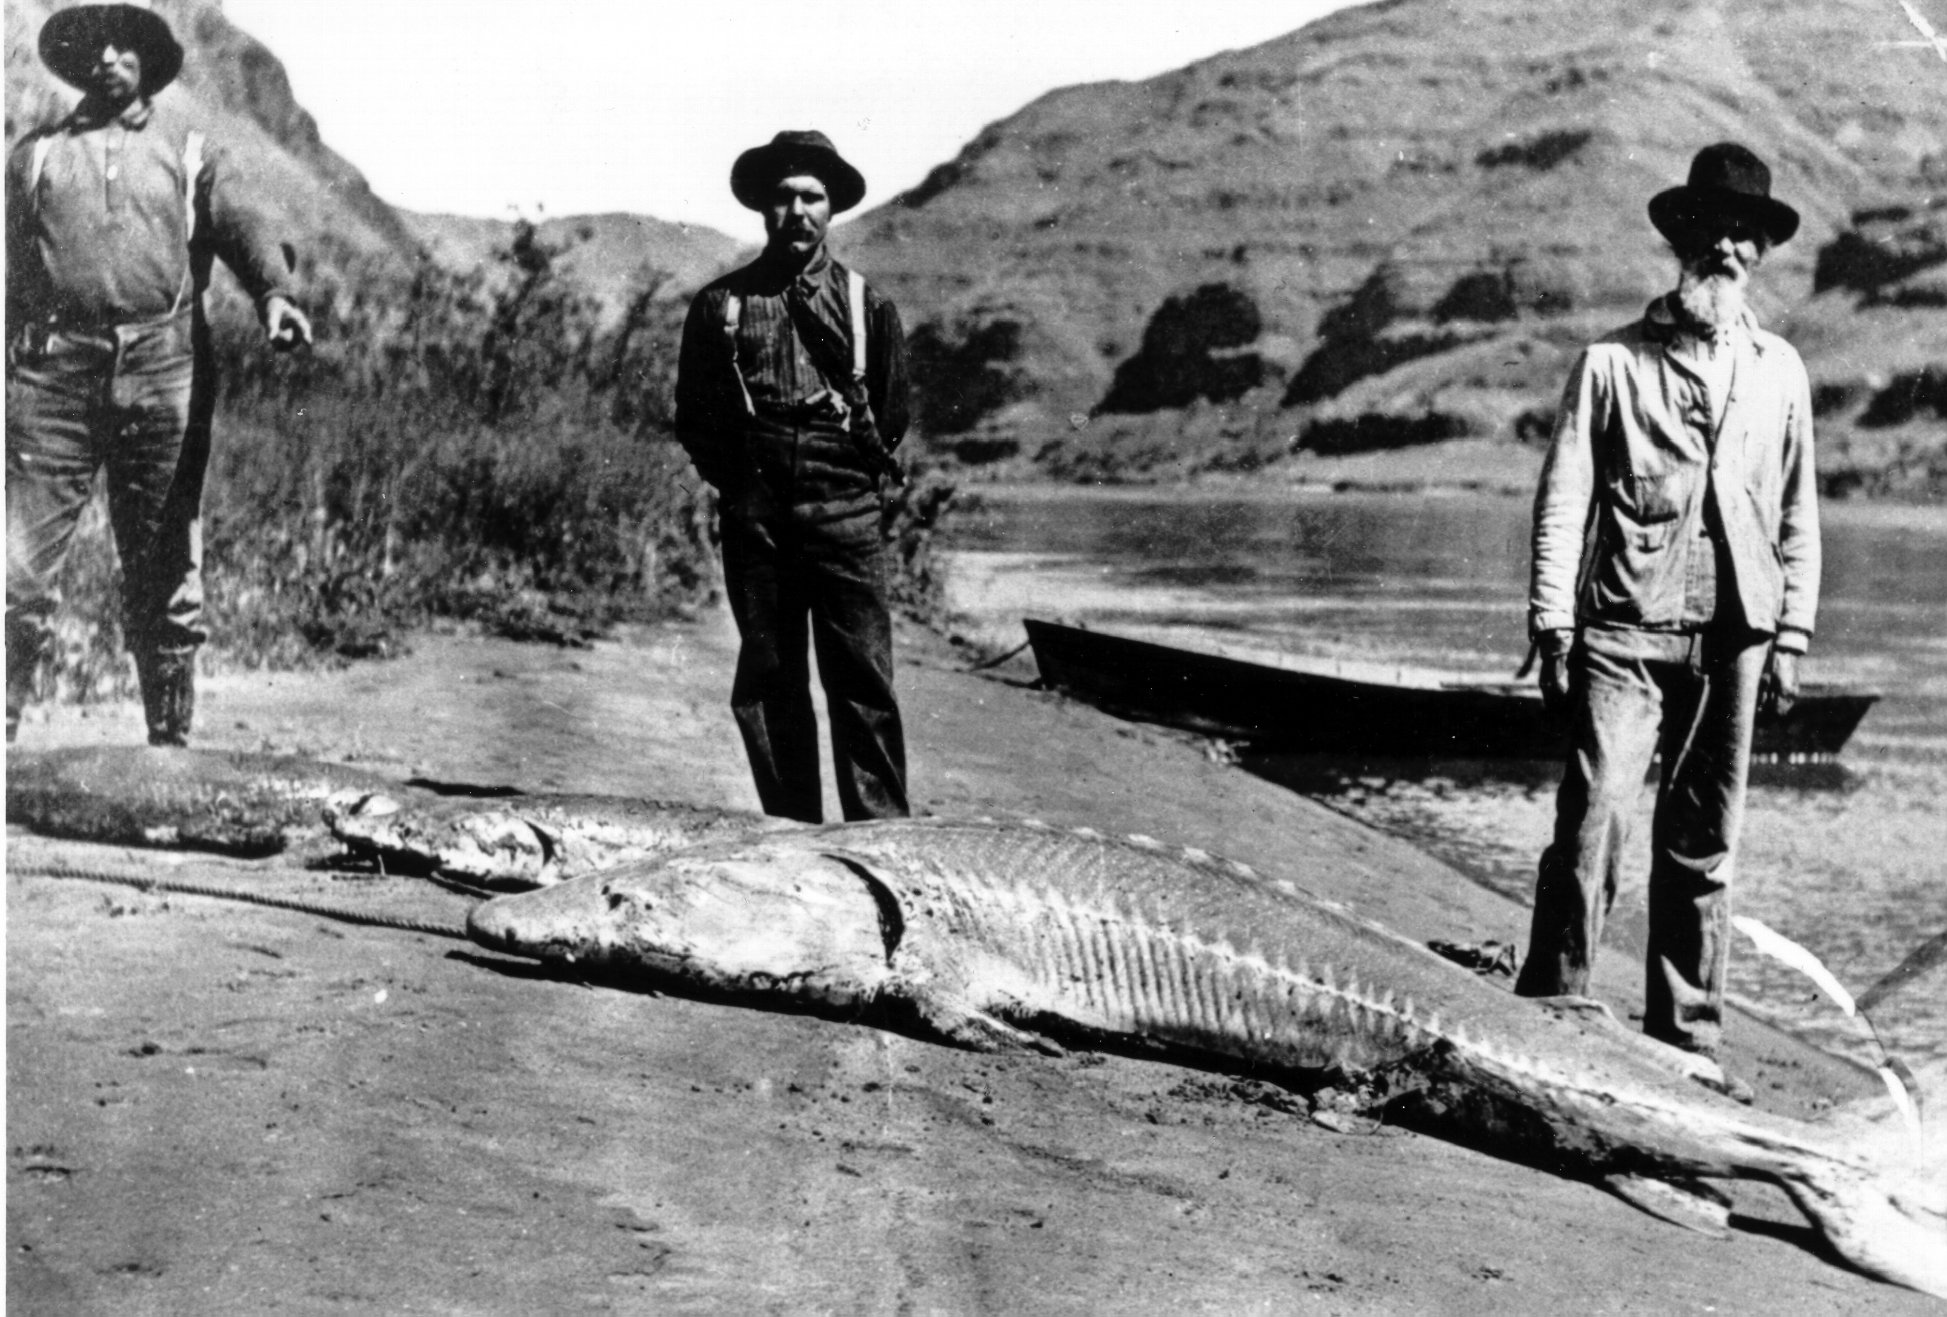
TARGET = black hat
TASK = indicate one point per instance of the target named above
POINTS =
(791, 152)
(1725, 179)
(71, 42)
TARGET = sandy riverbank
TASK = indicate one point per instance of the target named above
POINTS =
(223, 1108)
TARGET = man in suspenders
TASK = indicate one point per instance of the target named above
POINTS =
(790, 395)
(113, 216)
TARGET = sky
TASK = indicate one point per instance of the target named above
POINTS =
(479, 107)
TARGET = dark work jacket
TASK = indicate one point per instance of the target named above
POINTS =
(786, 455)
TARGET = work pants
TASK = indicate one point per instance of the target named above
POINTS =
(1694, 696)
(117, 398)
(793, 579)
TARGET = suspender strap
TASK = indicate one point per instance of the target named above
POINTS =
(855, 289)
(733, 317)
(37, 162)
(192, 166)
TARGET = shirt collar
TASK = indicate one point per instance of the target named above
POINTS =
(776, 271)
(134, 116)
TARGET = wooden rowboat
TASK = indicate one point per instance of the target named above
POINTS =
(1321, 711)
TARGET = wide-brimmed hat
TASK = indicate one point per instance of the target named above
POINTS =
(71, 42)
(796, 152)
(1725, 180)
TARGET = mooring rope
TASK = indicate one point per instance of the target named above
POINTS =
(995, 662)
(151, 883)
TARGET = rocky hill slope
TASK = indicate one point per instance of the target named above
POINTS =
(1390, 228)
(613, 258)
(347, 236)
(1394, 225)
(240, 90)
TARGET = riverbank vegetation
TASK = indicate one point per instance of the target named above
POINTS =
(486, 446)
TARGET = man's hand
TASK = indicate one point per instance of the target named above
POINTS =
(1557, 689)
(284, 325)
(1778, 688)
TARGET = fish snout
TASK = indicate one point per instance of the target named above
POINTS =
(570, 922)
(493, 924)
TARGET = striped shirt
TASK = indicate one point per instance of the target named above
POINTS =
(778, 373)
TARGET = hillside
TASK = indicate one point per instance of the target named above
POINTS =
(1390, 229)
(1394, 226)
(346, 235)
(611, 257)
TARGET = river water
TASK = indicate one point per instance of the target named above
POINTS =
(1849, 861)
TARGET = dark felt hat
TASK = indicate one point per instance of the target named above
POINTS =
(1725, 180)
(72, 39)
(796, 152)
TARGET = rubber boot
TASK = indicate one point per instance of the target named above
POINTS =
(168, 679)
(23, 664)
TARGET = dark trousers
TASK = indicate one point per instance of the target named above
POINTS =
(791, 581)
(1696, 696)
(117, 399)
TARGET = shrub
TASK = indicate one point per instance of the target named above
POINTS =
(454, 444)
(1541, 153)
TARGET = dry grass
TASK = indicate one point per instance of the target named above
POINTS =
(443, 450)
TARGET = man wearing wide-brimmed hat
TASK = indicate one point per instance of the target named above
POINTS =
(114, 215)
(791, 394)
(1675, 585)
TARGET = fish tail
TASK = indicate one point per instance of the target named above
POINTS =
(1884, 1205)
(1891, 1225)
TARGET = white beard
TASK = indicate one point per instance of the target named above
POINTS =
(1714, 300)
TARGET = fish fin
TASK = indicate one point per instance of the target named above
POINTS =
(1691, 1065)
(1883, 1205)
(1915, 1097)
(1583, 1008)
(315, 851)
(358, 803)
(1692, 1204)
(1890, 1221)
(965, 1025)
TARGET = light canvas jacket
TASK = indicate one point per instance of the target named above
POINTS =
(1638, 452)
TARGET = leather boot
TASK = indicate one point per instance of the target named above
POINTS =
(168, 679)
(23, 664)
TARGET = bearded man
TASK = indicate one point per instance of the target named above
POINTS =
(114, 215)
(1675, 583)
(790, 395)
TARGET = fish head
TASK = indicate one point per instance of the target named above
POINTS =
(735, 919)
(487, 846)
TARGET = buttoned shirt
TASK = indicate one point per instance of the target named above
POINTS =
(1711, 357)
(780, 377)
(101, 236)
(1676, 495)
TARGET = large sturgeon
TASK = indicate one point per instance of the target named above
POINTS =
(245, 804)
(994, 935)
(521, 842)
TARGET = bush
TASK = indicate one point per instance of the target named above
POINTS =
(464, 445)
